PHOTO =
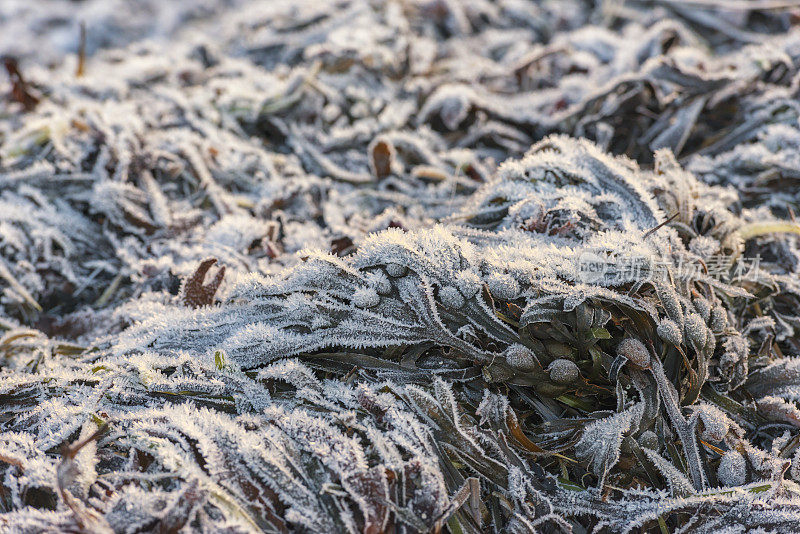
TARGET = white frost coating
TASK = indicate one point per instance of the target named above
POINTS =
(703, 307)
(469, 283)
(696, 330)
(600, 441)
(366, 297)
(669, 331)
(649, 439)
(704, 246)
(370, 236)
(719, 318)
(380, 282)
(503, 286)
(396, 270)
(563, 371)
(715, 424)
(520, 357)
(451, 297)
(634, 351)
(679, 485)
(732, 470)
(238, 231)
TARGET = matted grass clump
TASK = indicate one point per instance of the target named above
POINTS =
(414, 266)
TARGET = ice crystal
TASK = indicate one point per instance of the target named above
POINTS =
(732, 470)
(601, 441)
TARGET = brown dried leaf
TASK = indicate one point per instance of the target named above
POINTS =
(382, 155)
(20, 90)
(194, 293)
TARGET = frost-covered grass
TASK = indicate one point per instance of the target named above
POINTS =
(410, 266)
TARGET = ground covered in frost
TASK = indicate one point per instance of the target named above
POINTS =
(400, 266)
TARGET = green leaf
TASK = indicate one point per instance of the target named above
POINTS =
(219, 359)
(569, 485)
(600, 333)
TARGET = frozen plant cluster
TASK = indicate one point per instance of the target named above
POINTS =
(317, 267)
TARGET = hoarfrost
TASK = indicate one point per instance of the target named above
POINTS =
(397, 204)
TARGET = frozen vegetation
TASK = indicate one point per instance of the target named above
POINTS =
(400, 266)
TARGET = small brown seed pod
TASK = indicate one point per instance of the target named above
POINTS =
(563, 371)
(396, 270)
(521, 358)
(732, 470)
(635, 352)
(670, 332)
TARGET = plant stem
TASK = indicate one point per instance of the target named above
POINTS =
(686, 434)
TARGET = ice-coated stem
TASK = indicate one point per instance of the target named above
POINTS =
(685, 432)
(639, 356)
